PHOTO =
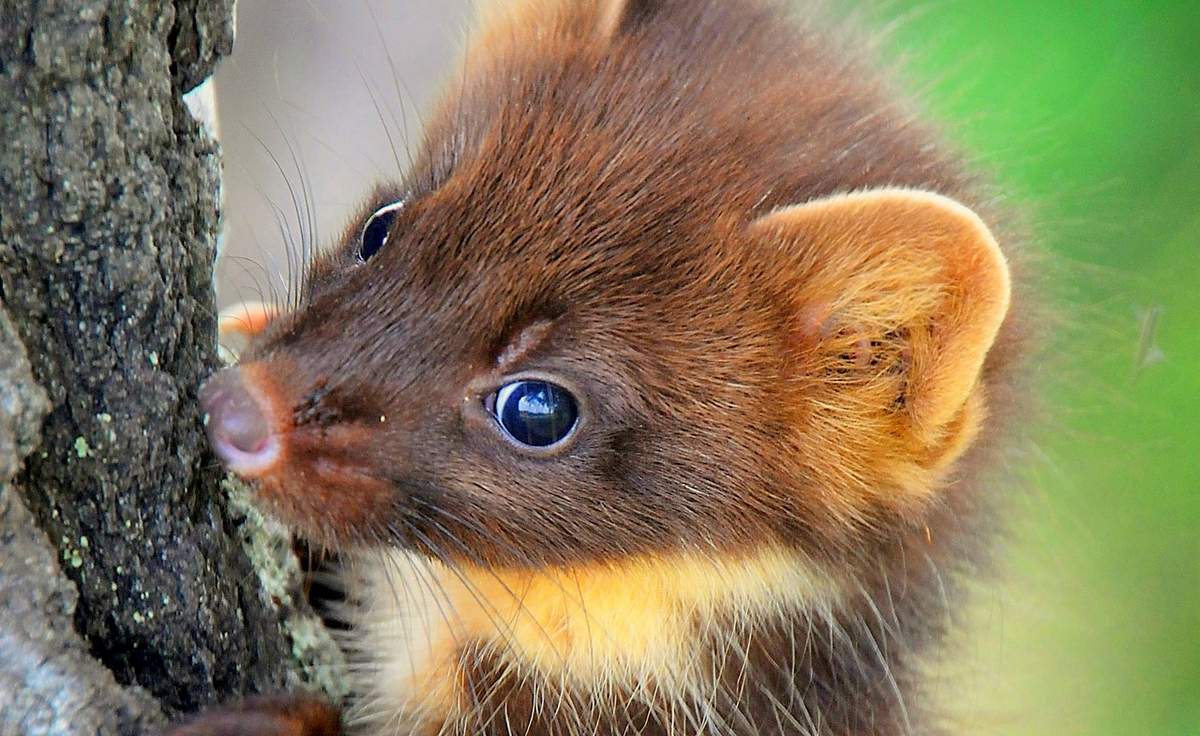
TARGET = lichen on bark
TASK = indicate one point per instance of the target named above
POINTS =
(108, 223)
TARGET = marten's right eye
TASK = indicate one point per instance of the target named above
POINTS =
(379, 226)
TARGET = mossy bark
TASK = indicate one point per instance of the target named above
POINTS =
(108, 226)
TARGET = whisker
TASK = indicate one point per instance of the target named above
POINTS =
(397, 83)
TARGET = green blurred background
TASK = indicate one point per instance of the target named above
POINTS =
(1089, 113)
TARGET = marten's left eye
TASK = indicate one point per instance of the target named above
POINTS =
(534, 413)
(379, 226)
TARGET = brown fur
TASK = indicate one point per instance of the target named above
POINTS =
(605, 199)
(266, 716)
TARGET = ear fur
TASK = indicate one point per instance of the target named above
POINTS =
(602, 20)
(617, 16)
(908, 289)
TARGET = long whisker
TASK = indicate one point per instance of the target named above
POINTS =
(296, 260)
(397, 84)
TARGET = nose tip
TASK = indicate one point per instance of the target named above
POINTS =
(239, 428)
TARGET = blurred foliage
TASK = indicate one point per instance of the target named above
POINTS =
(1090, 114)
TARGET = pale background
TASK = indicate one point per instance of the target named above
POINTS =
(313, 77)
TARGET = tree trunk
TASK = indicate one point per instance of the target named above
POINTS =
(108, 225)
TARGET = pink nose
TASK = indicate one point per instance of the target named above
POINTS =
(238, 425)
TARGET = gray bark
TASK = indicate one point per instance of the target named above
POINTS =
(49, 684)
(108, 222)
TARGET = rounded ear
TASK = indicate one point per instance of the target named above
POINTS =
(239, 323)
(907, 287)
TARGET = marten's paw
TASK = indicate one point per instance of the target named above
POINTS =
(277, 715)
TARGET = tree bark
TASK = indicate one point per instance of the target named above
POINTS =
(108, 228)
(49, 684)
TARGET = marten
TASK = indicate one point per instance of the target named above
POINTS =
(663, 394)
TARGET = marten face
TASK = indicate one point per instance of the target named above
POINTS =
(497, 381)
(620, 308)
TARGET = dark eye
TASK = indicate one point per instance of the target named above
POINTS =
(375, 232)
(534, 413)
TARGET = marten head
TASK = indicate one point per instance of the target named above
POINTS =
(654, 284)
